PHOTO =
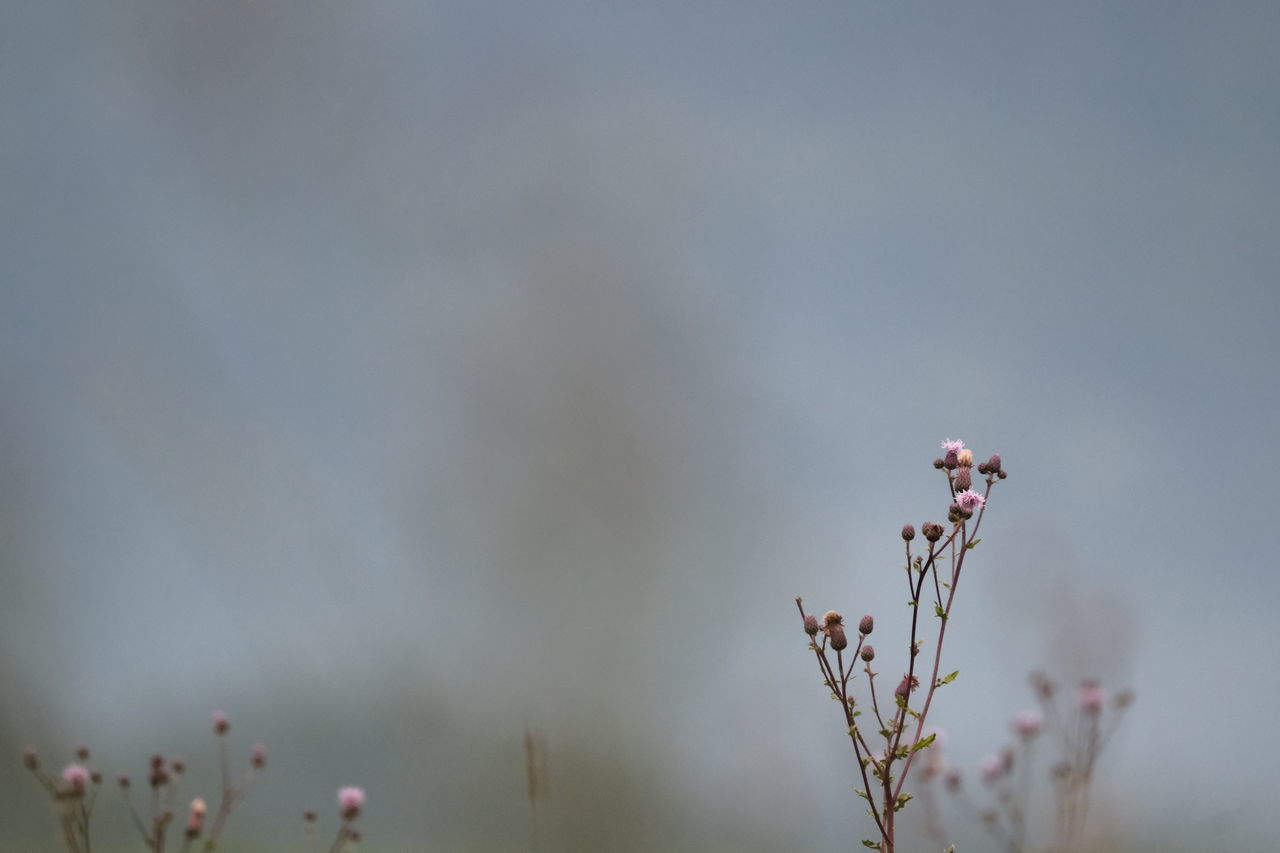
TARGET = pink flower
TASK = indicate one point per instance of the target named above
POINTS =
(1027, 723)
(75, 776)
(350, 800)
(992, 767)
(970, 500)
(952, 445)
(1091, 697)
(221, 722)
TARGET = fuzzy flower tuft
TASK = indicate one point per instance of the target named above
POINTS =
(969, 500)
(350, 800)
(952, 445)
(76, 776)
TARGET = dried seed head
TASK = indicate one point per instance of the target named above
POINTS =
(908, 532)
(839, 641)
(832, 618)
(868, 653)
(866, 625)
(965, 458)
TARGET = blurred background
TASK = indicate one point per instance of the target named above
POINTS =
(400, 376)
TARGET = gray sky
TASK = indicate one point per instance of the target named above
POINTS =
(395, 375)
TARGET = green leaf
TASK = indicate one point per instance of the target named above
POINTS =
(874, 845)
(973, 544)
(924, 742)
(902, 800)
(939, 612)
(947, 679)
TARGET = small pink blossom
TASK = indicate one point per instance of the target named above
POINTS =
(350, 800)
(75, 775)
(992, 767)
(1027, 723)
(970, 500)
(1091, 697)
(221, 722)
(952, 445)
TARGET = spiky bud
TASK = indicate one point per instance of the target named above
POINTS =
(811, 626)
(866, 625)
(839, 641)
(993, 464)
(951, 460)
(908, 532)
(932, 531)
(938, 463)
(906, 685)
(963, 480)
(868, 653)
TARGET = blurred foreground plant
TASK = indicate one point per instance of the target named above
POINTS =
(75, 793)
(936, 567)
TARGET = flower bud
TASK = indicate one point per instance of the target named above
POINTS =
(908, 532)
(963, 480)
(178, 767)
(83, 753)
(866, 624)
(221, 723)
(908, 683)
(868, 653)
(95, 777)
(309, 815)
(954, 779)
(124, 781)
(937, 463)
(811, 624)
(30, 759)
(258, 756)
(993, 464)
(951, 460)
(839, 641)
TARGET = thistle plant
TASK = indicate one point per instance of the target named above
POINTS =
(74, 793)
(933, 574)
(1081, 732)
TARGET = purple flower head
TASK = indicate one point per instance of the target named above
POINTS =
(350, 800)
(970, 500)
(76, 776)
(952, 445)
(1027, 723)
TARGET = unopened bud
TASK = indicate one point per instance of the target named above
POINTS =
(937, 463)
(965, 458)
(950, 461)
(124, 781)
(1002, 474)
(839, 641)
(908, 532)
(811, 626)
(963, 480)
(30, 759)
(95, 777)
(868, 653)
(993, 464)
(309, 816)
(83, 753)
(866, 625)
(178, 767)
(221, 723)
(932, 531)
(258, 756)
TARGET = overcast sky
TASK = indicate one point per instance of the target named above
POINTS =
(395, 375)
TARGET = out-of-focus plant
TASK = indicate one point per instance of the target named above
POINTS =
(1080, 734)
(933, 573)
(75, 792)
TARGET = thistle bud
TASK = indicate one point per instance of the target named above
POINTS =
(83, 753)
(906, 685)
(993, 464)
(124, 781)
(95, 777)
(932, 531)
(868, 653)
(221, 723)
(963, 480)
(954, 779)
(30, 759)
(178, 767)
(258, 756)
(309, 815)
(951, 460)
(839, 641)
(811, 624)
(937, 463)
(866, 625)
(908, 532)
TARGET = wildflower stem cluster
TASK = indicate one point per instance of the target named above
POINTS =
(932, 574)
